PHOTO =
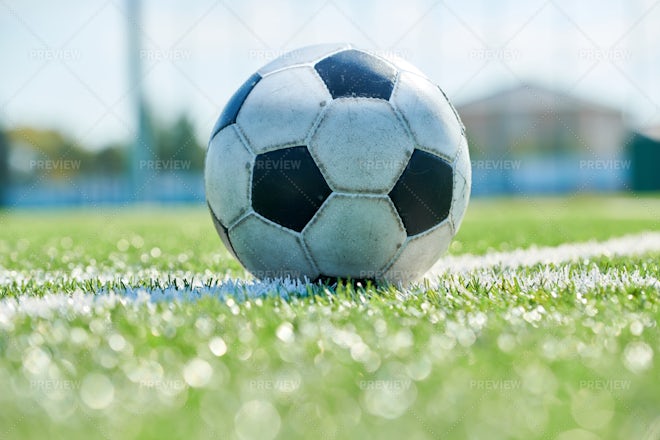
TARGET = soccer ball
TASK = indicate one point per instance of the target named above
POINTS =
(333, 162)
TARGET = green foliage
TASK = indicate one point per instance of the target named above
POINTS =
(58, 156)
(178, 142)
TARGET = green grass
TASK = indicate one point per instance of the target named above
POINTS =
(566, 351)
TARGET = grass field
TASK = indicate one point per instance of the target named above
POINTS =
(135, 323)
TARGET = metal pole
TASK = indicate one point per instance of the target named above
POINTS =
(140, 167)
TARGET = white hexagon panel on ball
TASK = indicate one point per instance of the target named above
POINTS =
(428, 113)
(269, 250)
(358, 246)
(419, 253)
(281, 109)
(228, 174)
(361, 146)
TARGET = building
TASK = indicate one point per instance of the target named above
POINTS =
(532, 139)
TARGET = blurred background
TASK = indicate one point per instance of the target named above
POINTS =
(113, 101)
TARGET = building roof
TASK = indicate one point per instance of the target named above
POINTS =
(650, 131)
(526, 97)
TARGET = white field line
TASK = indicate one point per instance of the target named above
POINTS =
(628, 245)
(561, 280)
(492, 270)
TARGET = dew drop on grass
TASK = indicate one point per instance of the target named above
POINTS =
(197, 373)
(401, 341)
(285, 332)
(122, 245)
(538, 379)
(35, 360)
(78, 336)
(380, 326)
(257, 419)
(218, 346)
(465, 337)
(360, 352)
(117, 342)
(419, 369)
(637, 356)
(636, 328)
(52, 252)
(204, 326)
(96, 391)
(506, 342)
(477, 320)
(137, 241)
(388, 397)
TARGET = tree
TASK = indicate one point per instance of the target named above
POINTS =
(177, 145)
(110, 160)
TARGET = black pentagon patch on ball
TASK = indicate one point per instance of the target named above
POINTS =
(287, 187)
(353, 73)
(422, 195)
(228, 115)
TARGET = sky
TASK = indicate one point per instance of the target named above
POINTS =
(66, 67)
